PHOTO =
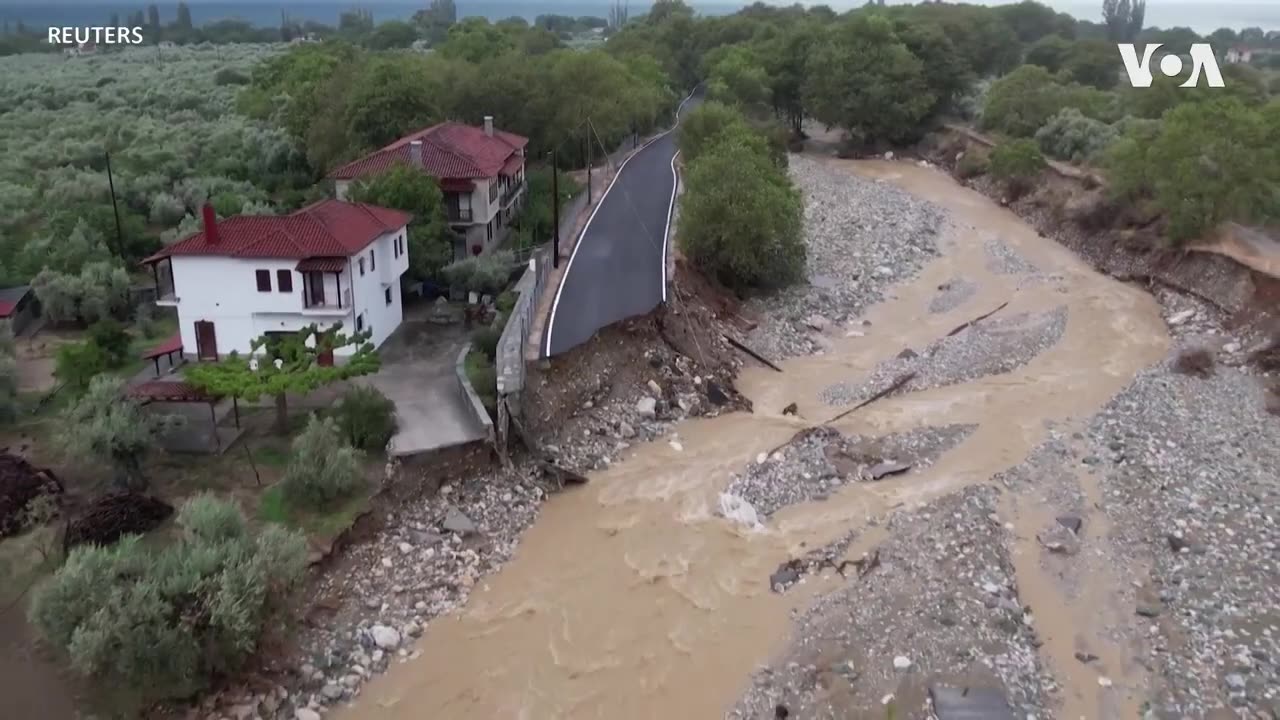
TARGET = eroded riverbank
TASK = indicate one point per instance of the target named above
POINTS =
(631, 598)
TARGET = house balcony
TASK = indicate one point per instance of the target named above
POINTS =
(330, 304)
(458, 215)
(167, 299)
(510, 194)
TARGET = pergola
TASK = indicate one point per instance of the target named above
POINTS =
(167, 349)
(181, 392)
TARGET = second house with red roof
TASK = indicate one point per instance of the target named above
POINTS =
(480, 171)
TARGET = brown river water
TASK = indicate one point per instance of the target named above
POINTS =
(630, 598)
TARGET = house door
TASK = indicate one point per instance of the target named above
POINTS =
(206, 341)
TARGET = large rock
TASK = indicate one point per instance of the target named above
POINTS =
(305, 714)
(456, 522)
(385, 637)
(647, 407)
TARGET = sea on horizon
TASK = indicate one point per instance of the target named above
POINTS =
(1203, 17)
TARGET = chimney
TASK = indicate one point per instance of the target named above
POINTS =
(415, 153)
(210, 225)
(488, 125)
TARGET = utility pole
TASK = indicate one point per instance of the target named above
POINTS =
(555, 211)
(111, 183)
(589, 128)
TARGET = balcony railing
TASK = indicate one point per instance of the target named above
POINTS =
(329, 305)
(509, 194)
(459, 215)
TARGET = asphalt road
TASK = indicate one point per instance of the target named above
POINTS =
(618, 267)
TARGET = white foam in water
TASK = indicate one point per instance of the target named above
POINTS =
(740, 511)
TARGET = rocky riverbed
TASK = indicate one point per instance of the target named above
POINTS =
(861, 237)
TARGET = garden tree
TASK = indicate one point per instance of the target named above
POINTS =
(436, 20)
(785, 57)
(184, 17)
(8, 379)
(324, 468)
(1031, 21)
(1123, 19)
(1208, 162)
(1016, 163)
(1176, 40)
(738, 78)
(389, 100)
(153, 18)
(946, 72)
(355, 24)
(413, 191)
(537, 41)
(1050, 52)
(1019, 103)
(1093, 62)
(665, 10)
(99, 290)
(1222, 39)
(367, 418)
(296, 78)
(290, 364)
(392, 34)
(484, 274)
(979, 34)
(474, 39)
(741, 218)
(106, 427)
(862, 78)
(162, 623)
(619, 12)
(703, 126)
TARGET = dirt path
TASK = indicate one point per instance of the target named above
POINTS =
(631, 598)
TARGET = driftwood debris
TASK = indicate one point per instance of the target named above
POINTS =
(561, 476)
(978, 319)
(893, 387)
(751, 352)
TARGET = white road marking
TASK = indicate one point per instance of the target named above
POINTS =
(555, 304)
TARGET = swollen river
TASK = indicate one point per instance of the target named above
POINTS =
(630, 598)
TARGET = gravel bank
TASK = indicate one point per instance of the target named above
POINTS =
(993, 346)
(820, 460)
(862, 236)
(952, 294)
(939, 609)
(1188, 468)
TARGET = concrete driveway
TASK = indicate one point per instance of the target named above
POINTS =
(418, 375)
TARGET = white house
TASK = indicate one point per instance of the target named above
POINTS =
(480, 171)
(249, 275)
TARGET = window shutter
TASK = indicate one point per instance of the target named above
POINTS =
(373, 264)
(264, 280)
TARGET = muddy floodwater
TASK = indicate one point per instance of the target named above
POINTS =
(631, 598)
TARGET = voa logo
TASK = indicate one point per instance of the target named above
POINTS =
(1171, 65)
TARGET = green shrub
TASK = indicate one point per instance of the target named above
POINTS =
(367, 418)
(483, 273)
(506, 302)
(161, 624)
(324, 468)
(1017, 163)
(483, 377)
(79, 363)
(230, 76)
(110, 336)
(486, 341)
(973, 164)
(741, 218)
(1021, 102)
(1071, 136)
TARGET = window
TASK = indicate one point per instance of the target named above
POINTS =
(362, 266)
(488, 231)
(373, 264)
(493, 191)
(360, 323)
(395, 248)
(387, 294)
(284, 281)
(264, 280)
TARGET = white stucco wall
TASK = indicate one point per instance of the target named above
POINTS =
(224, 291)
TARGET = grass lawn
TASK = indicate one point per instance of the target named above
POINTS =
(322, 525)
(483, 377)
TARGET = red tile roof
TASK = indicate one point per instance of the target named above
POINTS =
(172, 345)
(327, 228)
(450, 151)
(10, 297)
(322, 264)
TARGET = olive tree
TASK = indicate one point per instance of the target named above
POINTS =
(106, 427)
